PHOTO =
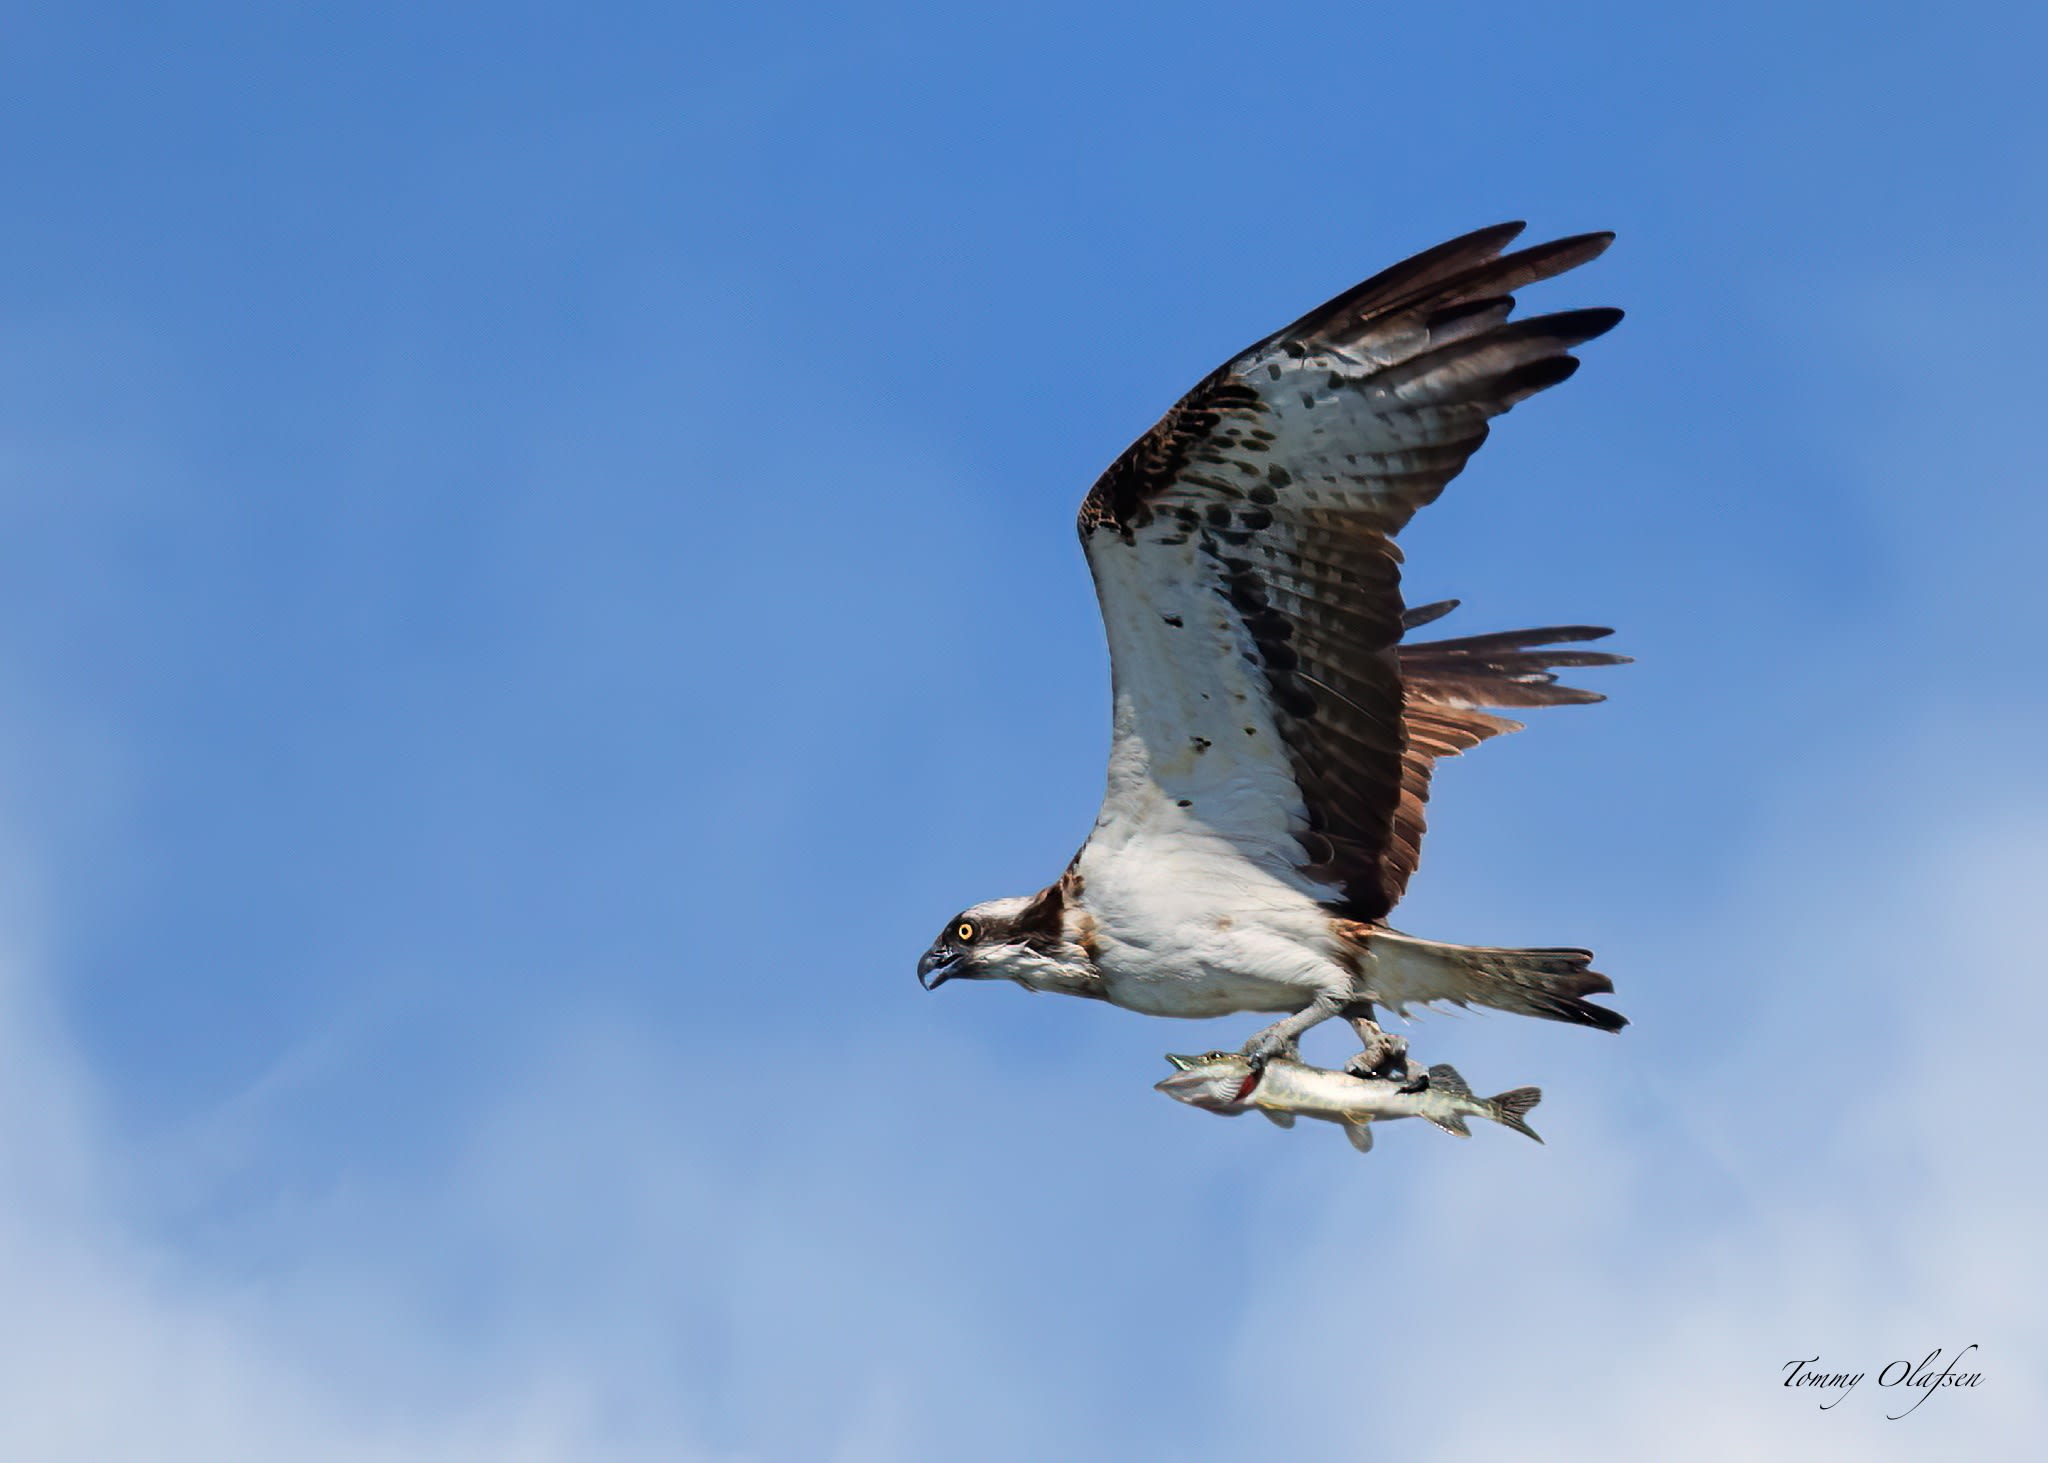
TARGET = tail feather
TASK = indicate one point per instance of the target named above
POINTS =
(1551, 983)
(1505, 668)
(1423, 614)
(1510, 1107)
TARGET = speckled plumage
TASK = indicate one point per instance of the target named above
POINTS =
(1273, 738)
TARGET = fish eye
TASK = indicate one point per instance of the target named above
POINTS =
(965, 932)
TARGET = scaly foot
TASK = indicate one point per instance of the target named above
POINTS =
(1269, 1045)
(1282, 1038)
(1384, 1055)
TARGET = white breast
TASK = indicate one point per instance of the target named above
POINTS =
(1188, 921)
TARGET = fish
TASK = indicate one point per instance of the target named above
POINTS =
(1227, 1083)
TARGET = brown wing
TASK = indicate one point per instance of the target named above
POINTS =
(1254, 526)
(1445, 682)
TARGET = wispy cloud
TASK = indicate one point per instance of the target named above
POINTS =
(1768, 1195)
(632, 1251)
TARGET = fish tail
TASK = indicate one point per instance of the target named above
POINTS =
(1509, 1108)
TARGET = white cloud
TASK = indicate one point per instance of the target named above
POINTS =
(114, 1348)
(1860, 1192)
(629, 1256)
(623, 1258)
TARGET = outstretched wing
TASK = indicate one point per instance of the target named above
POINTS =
(1243, 554)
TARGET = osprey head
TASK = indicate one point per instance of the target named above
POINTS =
(1018, 939)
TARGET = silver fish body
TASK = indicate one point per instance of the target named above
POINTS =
(1225, 1082)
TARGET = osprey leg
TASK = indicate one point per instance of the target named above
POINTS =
(1385, 1055)
(1283, 1037)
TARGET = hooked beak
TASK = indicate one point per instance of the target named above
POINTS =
(936, 967)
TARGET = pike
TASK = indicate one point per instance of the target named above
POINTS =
(1228, 1083)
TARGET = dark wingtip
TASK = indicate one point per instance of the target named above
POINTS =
(1523, 381)
(1614, 315)
(1596, 243)
(1579, 326)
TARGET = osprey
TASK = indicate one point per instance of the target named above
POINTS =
(1274, 731)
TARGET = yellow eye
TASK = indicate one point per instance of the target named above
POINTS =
(964, 932)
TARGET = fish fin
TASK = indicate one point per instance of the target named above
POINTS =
(1360, 1135)
(1444, 1078)
(1510, 1107)
(1278, 1119)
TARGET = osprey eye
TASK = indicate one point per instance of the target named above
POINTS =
(964, 932)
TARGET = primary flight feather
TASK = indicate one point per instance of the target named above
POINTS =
(1274, 736)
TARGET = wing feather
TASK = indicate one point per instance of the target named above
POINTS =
(1445, 682)
(1243, 553)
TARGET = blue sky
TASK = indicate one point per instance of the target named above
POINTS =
(537, 557)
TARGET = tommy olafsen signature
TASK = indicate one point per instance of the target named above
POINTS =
(1902, 1373)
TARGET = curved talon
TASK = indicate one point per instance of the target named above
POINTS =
(1263, 1049)
(1384, 1057)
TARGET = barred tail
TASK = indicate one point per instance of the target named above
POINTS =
(1551, 983)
